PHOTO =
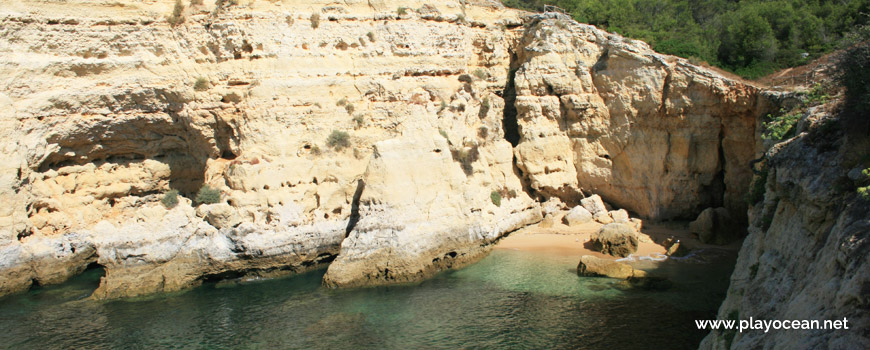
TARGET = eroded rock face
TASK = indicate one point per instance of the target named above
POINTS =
(111, 107)
(244, 98)
(650, 133)
(420, 213)
(806, 256)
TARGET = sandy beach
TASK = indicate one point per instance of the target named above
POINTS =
(564, 240)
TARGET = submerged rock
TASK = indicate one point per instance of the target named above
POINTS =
(615, 239)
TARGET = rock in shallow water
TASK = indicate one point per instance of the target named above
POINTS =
(591, 266)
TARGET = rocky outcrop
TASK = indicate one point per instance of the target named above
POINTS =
(650, 133)
(112, 107)
(716, 226)
(591, 266)
(615, 239)
(419, 213)
(400, 143)
(807, 255)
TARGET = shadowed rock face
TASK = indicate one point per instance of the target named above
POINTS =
(108, 107)
(807, 255)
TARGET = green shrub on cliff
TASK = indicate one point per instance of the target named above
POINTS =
(315, 20)
(338, 140)
(208, 195)
(201, 84)
(177, 16)
(496, 198)
(780, 126)
(170, 199)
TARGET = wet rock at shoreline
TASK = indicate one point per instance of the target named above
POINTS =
(591, 266)
(716, 226)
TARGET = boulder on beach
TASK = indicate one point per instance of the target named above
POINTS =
(603, 217)
(620, 216)
(577, 216)
(615, 239)
(594, 204)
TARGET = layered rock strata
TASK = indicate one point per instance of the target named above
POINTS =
(379, 132)
(598, 113)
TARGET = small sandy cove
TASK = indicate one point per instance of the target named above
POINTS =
(564, 240)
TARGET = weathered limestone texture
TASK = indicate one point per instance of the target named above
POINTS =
(331, 130)
(807, 256)
(107, 107)
(598, 113)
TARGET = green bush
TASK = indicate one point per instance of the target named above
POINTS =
(349, 108)
(371, 36)
(496, 198)
(480, 74)
(208, 195)
(170, 199)
(195, 2)
(402, 11)
(780, 127)
(466, 158)
(338, 140)
(358, 120)
(177, 16)
(341, 102)
(818, 94)
(201, 84)
(757, 188)
(315, 20)
(750, 37)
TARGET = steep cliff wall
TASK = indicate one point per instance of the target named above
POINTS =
(106, 107)
(807, 256)
(648, 132)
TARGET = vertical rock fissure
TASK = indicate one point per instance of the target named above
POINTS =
(509, 120)
(354, 207)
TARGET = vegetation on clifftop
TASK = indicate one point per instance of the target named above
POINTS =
(750, 37)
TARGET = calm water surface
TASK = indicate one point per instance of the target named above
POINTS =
(509, 300)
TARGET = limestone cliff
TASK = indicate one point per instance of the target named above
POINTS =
(651, 133)
(459, 117)
(807, 255)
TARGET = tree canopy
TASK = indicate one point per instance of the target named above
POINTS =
(749, 37)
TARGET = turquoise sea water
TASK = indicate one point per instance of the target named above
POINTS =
(508, 300)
